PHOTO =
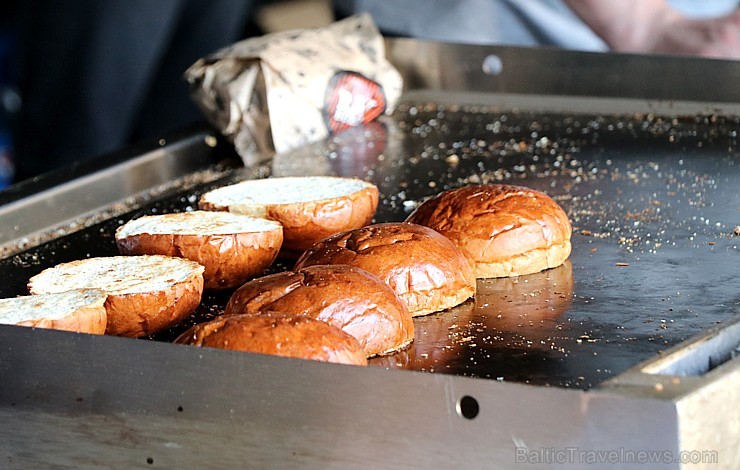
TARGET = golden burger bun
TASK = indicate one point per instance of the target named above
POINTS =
(145, 294)
(79, 310)
(278, 334)
(427, 271)
(504, 230)
(310, 208)
(232, 248)
(344, 296)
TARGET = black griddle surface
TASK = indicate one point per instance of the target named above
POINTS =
(654, 203)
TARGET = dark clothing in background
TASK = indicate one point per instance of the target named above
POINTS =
(96, 75)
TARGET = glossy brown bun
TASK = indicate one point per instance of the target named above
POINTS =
(145, 294)
(278, 334)
(231, 247)
(427, 272)
(344, 296)
(505, 230)
(310, 208)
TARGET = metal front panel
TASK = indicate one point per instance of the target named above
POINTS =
(640, 282)
(124, 401)
(65, 197)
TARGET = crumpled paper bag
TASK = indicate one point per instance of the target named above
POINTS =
(280, 91)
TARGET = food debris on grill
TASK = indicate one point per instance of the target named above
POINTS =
(644, 191)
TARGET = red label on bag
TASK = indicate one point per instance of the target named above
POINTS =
(350, 100)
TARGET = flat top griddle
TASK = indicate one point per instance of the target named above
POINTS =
(654, 203)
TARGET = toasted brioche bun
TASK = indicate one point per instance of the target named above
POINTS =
(310, 208)
(505, 230)
(344, 296)
(278, 334)
(146, 294)
(427, 272)
(231, 247)
(81, 311)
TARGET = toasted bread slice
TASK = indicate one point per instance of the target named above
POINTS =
(146, 294)
(233, 248)
(310, 208)
(81, 311)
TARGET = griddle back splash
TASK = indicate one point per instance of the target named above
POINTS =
(654, 204)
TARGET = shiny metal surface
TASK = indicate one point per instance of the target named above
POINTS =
(653, 202)
(703, 379)
(635, 80)
(64, 197)
(595, 324)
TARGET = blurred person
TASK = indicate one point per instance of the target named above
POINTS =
(709, 28)
(95, 75)
(92, 76)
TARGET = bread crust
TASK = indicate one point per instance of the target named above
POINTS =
(142, 306)
(347, 297)
(504, 230)
(146, 313)
(278, 334)
(425, 269)
(229, 259)
(85, 311)
(307, 222)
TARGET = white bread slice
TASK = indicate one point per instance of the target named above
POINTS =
(310, 208)
(146, 294)
(233, 248)
(81, 311)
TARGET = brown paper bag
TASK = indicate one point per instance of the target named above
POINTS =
(280, 91)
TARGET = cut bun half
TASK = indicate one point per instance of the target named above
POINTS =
(309, 208)
(232, 248)
(505, 230)
(145, 294)
(278, 334)
(80, 310)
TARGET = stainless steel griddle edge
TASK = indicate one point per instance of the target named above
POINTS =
(88, 401)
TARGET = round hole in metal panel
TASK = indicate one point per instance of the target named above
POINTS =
(492, 65)
(467, 407)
